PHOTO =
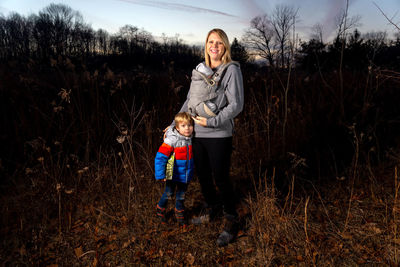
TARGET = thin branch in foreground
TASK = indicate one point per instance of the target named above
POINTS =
(388, 19)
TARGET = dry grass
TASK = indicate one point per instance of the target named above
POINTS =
(105, 216)
(84, 193)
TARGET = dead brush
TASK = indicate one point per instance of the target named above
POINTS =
(271, 229)
(132, 153)
(394, 248)
(263, 209)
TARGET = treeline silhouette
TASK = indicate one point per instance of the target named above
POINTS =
(58, 30)
(68, 92)
(370, 50)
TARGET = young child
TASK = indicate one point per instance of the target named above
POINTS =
(202, 92)
(178, 142)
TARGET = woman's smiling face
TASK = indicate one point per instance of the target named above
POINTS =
(215, 48)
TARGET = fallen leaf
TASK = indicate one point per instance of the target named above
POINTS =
(314, 256)
(165, 234)
(286, 249)
(22, 251)
(249, 250)
(112, 247)
(77, 224)
(100, 238)
(127, 243)
(112, 238)
(190, 259)
(346, 236)
(376, 230)
(68, 191)
(78, 252)
(152, 253)
(361, 261)
(240, 234)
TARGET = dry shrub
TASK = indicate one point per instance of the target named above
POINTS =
(273, 229)
(264, 228)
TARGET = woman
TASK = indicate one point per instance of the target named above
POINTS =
(212, 142)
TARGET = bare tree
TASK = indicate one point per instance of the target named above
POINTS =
(145, 39)
(87, 38)
(130, 35)
(344, 23)
(134, 38)
(102, 41)
(54, 29)
(266, 35)
(283, 19)
(397, 37)
(258, 38)
(376, 41)
(62, 20)
(3, 36)
(15, 35)
(317, 33)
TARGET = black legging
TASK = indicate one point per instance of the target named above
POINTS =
(212, 158)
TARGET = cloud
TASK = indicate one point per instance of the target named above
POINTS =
(174, 6)
(334, 8)
(252, 9)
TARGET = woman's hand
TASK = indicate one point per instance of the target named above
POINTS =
(200, 121)
(165, 131)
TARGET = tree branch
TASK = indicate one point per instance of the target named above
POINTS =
(388, 19)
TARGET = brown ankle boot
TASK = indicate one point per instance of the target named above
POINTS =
(180, 217)
(161, 214)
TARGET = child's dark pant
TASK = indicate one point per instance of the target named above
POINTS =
(170, 187)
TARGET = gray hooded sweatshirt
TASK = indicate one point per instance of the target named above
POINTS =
(229, 100)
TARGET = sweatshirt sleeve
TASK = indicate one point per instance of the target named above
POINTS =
(184, 108)
(234, 93)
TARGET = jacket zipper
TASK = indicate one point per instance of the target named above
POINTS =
(187, 162)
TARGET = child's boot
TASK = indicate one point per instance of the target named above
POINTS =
(180, 217)
(161, 214)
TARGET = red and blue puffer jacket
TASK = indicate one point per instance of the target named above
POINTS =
(183, 166)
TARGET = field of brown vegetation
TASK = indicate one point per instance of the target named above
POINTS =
(314, 189)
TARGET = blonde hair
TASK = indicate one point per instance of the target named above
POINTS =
(183, 116)
(226, 57)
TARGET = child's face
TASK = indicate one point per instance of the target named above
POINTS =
(185, 128)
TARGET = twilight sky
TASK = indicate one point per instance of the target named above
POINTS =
(191, 20)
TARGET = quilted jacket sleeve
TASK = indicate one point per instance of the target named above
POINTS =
(162, 156)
